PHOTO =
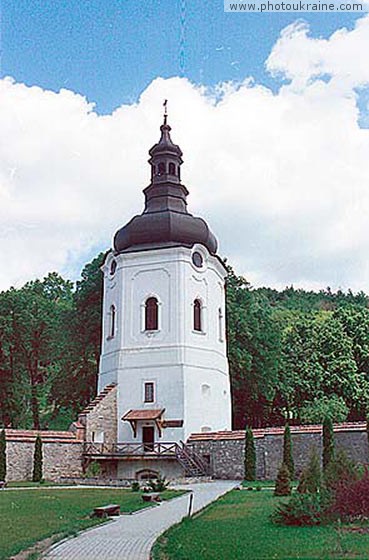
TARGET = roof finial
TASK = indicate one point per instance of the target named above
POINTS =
(165, 110)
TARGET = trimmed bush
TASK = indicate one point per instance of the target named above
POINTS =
(328, 442)
(37, 461)
(287, 450)
(340, 471)
(2, 455)
(250, 456)
(311, 476)
(301, 509)
(283, 482)
(135, 486)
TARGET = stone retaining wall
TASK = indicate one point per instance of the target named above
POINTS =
(226, 449)
(62, 455)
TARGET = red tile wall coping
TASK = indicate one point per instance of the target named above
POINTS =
(47, 436)
(276, 431)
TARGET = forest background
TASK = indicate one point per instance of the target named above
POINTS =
(294, 355)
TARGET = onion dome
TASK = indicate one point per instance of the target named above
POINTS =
(165, 221)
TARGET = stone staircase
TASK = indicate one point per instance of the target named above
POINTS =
(97, 399)
(192, 463)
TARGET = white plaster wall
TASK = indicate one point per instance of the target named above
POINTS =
(179, 359)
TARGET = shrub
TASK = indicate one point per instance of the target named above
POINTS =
(352, 499)
(93, 470)
(2, 456)
(301, 509)
(158, 485)
(311, 476)
(283, 482)
(37, 461)
(328, 442)
(287, 451)
(135, 486)
(340, 471)
(250, 456)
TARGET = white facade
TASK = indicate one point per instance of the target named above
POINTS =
(188, 367)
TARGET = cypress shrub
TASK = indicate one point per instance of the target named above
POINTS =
(2, 456)
(283, 482)
(37, 461)
(287, 451)
(311, 476)
(328, 442)
(250, 456)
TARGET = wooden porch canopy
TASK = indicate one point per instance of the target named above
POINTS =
(143, 415)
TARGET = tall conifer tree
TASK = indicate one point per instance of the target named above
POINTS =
(250, 456)
(2, 456)
(287, 451)
(328, 442)
(37, 461)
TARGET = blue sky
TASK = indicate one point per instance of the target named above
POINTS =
(277, 165)
(110, 50)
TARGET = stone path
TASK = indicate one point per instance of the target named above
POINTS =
(130, 537)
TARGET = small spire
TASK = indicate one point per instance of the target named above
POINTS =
(165, 110)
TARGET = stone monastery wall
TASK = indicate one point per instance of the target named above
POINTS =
(225, 450)
(63, 451)
(62, 454)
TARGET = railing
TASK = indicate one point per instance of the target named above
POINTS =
(131, 449)
(190, 460)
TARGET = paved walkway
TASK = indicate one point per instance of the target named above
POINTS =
(130, 537)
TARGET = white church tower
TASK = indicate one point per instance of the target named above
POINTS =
(164, 341)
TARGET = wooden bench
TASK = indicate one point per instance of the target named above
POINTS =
(151, 497)
(107, 511)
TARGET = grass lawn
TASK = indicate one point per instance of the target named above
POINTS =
(28, 516)
(237, 527)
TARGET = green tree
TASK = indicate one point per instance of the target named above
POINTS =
(328, 442)
(250, 456)
(283, 481)
(2, 455)
(287, 451)
(311, 477)
(33, 326)
(79, 383)
(37, 461)
(253, 351)
(332, 407)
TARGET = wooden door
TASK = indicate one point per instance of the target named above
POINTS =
(148, 438)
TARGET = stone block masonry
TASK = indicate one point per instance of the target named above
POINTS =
(225, 450)
(62, 454)
(100, 417)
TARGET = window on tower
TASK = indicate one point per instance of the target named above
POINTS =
(149, 392)
(151, 314)
(172, 169)
(112, 314)
(161, 168)
(197, 315)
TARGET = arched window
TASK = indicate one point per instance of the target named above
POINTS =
(161, 168)
(113, 267)
(220, 324)
(197, 315)
(151, 314)
(112, 321)
(172, 169)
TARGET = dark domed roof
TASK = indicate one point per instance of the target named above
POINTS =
(165, 221)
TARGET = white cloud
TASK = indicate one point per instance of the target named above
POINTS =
(282, 178)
